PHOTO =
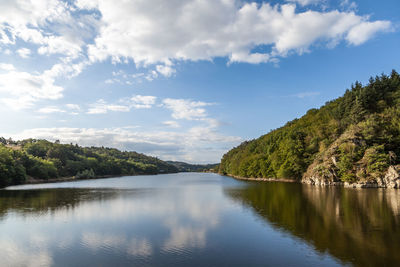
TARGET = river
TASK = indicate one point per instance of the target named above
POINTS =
(197, 219)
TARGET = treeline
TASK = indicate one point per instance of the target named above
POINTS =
(370, 112)
(187, 167)
(42, 159)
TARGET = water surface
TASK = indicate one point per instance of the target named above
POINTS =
(199, 220)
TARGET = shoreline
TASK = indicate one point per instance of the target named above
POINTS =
(261, 179)
(31, 180)
(362, 185)
(67, 179)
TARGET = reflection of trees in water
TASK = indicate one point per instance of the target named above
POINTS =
(357, 226)
(43, 201)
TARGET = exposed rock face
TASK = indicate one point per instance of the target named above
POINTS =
(392, 178)
(325, 169)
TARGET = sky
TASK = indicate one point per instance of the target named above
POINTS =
(182, 80)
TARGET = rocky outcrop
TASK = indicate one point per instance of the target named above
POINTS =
(362, 172)
(391, 178)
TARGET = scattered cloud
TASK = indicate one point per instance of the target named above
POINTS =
(166, 71)
(172, 124)
(186, 109)
(156, 36)
(152, 32)
(348, 5)
(362, 32)
(55, 26)
(123, 105)
(305, 94)
(101, 107)
(24, 52)
(306, 2)
(6, 67)
(21, 89)
(197, 144)
(73, 106)
(50, 109)
(143, 101)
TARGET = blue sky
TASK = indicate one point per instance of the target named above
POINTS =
(182, 80)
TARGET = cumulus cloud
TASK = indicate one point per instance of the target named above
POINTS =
(51, 109)
(362, 32)
(73, 106)
(101, 107)
(123, 105)
(6, 67)
(186, 109)
(306, 2)
(143, 101)
(21, 89)
(53, 25)
(172, 124)
(157, 34)
(24, 52)
(202, 143)
(153, 32)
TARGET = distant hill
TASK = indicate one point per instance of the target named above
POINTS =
(44, 160)
(186, 167)
(353, 139)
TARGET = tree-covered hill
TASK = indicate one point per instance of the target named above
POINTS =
(187, 167)
(45, 160)
(353, 138)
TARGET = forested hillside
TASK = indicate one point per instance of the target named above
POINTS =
(353, 138)
(187, 167)
(42, 159)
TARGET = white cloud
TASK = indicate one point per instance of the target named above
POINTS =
(51, 109)
(21, 89)
(24, 52)
(6, 67)
(186, 109)
(152, 32)
(156, 34)
(348, 5)
(198, 144)
(143, 101)
(51, 24)
(123, 105)
(101, 107)
(306, 2)
(73, 106)
(167, 71)
(362, 32)
(172, 124)
(305, 94)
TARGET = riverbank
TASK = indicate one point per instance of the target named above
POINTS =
(262, 179)
(390, 180)
(31, 180)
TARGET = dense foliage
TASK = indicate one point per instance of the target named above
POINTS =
(371, 113)
(187, 167)
(42, 159)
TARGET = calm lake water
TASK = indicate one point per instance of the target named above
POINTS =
(195, 219)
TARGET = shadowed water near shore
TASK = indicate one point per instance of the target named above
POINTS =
(361, 227)
(196, 219)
